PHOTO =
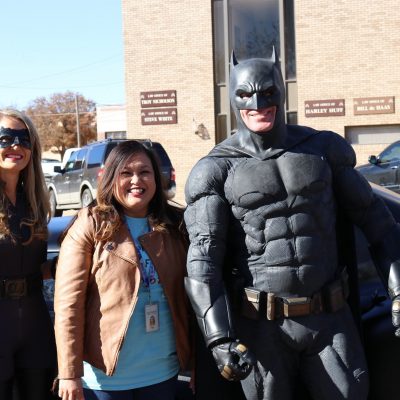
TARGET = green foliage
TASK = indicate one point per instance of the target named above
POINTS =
(55, 120)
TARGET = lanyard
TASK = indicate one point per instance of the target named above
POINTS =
(151, 309)
(142, 264)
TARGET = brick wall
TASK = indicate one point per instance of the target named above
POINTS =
(344, 49)
(348, 49)
(168, 46)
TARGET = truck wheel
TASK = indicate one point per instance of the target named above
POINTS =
(53, 205)
(86, 197)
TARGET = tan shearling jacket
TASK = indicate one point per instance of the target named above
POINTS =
(96, 292)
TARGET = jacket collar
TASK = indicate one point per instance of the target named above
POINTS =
(121, 244)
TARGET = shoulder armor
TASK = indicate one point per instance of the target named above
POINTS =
(206, 178)
(338, 150)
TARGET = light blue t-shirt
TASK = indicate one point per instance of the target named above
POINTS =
(145, 358)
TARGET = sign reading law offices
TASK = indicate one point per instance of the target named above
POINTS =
(159, 116)
(324, 108)
(160, 98)
(373, 105)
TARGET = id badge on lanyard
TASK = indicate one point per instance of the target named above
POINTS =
(151, 315)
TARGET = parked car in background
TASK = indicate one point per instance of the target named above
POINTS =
(381, 345)
(67, 154)
(48, 165)
(384, 168)
(55, 227)
(75, 185)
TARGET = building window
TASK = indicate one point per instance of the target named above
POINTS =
(219, 53)
(253, 27)
(253, 31)
(115, 135)
(290, 48)
(291, 118)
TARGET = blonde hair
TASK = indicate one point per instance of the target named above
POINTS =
(32, 183)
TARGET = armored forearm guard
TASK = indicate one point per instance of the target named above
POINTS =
(386, 256)
(212, 310)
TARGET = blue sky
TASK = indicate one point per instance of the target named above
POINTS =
(50, 46)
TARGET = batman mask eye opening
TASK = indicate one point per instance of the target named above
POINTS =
(245, 95)
(268, 92)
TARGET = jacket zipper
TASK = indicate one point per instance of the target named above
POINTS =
(122, 338)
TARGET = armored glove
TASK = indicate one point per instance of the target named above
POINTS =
(234, 360)
(396, 315)
(394, 292)
(386, 255)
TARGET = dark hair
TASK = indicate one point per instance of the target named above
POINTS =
(161, 214)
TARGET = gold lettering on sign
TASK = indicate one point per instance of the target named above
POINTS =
(374, 105)
(324, 108)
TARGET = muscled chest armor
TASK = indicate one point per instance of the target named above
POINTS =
(284, 209)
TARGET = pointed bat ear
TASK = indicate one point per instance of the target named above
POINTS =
(274, 58)
(234, 60)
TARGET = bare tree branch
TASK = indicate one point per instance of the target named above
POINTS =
(55, 120)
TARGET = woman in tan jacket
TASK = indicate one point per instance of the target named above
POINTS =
(122, 316)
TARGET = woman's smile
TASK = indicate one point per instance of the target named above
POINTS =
(136, 185)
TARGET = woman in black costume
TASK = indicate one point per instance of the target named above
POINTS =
(27, 350)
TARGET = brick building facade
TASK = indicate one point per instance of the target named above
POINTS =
(343, 51)
(348, 50)
(168, 46)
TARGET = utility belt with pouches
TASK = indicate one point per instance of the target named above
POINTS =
(257, 304)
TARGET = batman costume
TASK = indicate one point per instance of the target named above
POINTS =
(264, 275)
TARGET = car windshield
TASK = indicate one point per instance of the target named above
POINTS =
(70, 163)
(390, 154)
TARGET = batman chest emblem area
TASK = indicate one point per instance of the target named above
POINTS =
(255, 183)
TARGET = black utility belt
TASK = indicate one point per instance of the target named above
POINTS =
(257, 304)
(20, 287)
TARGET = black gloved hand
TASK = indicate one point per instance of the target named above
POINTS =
(234, 360)
(396, 314)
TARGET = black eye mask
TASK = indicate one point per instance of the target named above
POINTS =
(10, 137)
